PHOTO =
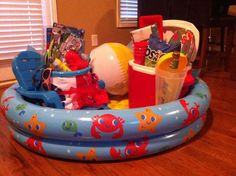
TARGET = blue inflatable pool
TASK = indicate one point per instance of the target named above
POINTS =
(105, 134)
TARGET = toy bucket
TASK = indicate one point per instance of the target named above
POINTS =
(141, 85)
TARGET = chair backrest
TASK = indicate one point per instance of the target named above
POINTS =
(186, 32)
(26, 67)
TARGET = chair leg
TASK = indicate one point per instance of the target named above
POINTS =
(229, 46)
(222, 39)
(232, 61)
(204, 48)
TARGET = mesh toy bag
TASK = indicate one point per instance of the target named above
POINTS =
(80, 91)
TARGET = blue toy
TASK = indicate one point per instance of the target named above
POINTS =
(27, 67)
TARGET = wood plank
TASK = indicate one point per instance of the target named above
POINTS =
(212, 152)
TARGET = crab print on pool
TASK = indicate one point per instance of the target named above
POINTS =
(193, 112)
(88, 156)
(34, 126)
(5, 105)
(35, 145)
(148, 120)
(204, 117)
(133, 149)
(107, 123)
(191, 133)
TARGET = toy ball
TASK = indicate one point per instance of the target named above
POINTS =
(110, 62)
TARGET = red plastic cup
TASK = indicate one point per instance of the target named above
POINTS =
(140, 51)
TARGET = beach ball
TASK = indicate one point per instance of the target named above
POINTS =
(110, 62)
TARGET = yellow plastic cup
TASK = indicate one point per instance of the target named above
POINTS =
(169, 81)
(165, 62)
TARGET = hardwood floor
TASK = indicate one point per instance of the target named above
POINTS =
(211, 152)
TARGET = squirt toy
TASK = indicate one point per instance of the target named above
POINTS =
(60, 66)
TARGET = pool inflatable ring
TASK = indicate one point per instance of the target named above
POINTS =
(105, 134)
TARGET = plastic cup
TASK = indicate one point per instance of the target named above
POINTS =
(169, 85)
(139, 52)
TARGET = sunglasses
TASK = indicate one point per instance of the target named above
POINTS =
(36, 78)
(46, 75)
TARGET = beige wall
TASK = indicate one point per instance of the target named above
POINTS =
(6, 73)
(96, 17)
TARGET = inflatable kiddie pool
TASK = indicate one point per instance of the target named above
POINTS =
(109, 134)
(105, 134)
